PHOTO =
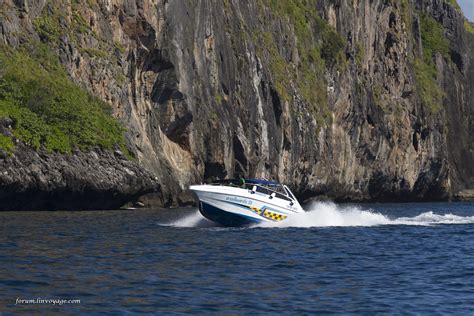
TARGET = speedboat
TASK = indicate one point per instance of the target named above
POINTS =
(240, 202)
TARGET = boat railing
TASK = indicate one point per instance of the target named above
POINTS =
(255, 187)
(265, 190)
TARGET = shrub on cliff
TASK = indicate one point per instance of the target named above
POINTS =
(469, 26)
(433, 39)
(47, 108)
(434, 42)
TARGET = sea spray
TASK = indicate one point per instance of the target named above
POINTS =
(328, 214)
(430, 218)
(195, 219)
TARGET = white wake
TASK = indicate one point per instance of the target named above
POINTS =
(328, 214)
(189, 220)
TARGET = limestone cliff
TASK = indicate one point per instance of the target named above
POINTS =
(346, 99)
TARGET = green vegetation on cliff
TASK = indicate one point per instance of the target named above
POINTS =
(47, 27)
(469, 26)
(319, 46)
(56, 21)
(434, 42)
(48, 110)
(428, 89)
(6, 143)
(433, 38)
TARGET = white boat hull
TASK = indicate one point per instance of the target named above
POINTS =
(233, 206)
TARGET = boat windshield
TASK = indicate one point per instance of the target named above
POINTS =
(260, 186)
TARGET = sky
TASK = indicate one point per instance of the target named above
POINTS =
(468, 8)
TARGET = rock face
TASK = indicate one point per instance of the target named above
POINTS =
(99, 179)
(209, 88)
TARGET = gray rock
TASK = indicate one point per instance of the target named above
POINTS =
(29, 181)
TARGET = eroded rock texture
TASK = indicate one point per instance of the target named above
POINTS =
(98, 179)
(199, 91)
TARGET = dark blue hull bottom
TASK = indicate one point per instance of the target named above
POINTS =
(224, 218)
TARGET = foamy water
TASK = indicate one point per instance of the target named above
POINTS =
(328, 214)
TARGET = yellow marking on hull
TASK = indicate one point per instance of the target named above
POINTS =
(274, 216)
(267, 214)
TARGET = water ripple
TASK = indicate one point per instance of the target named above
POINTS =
(381, 258)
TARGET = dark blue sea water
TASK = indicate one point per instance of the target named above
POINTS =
(386, 258)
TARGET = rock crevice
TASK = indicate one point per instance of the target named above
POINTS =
(212, 88)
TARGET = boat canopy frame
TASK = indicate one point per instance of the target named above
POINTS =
(271, 188)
